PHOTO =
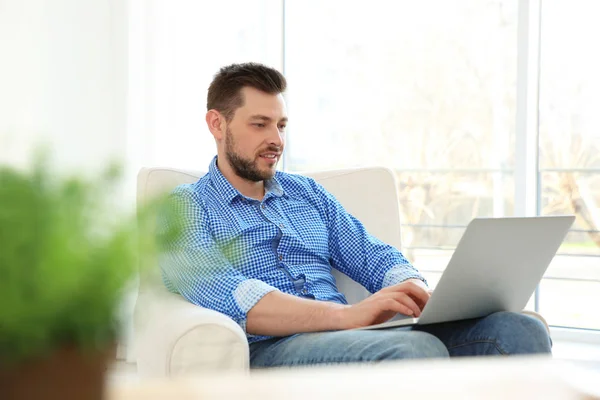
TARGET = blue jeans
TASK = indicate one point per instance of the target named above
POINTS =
(502, 333)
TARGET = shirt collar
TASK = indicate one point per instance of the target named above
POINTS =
(229, 193)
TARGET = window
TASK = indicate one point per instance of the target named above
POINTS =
(426, 88)
(569, 161)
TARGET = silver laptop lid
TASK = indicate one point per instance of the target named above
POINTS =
(496, 267)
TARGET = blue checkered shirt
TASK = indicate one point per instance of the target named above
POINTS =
(234, 249)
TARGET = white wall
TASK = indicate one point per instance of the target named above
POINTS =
(63, 80)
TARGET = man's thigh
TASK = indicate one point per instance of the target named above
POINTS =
(501, 333)
(340, 347)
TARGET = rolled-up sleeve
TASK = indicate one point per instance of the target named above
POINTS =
(358, 254)
(193, 265)
(399, 273)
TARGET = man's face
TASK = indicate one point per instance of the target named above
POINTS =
(254, 138)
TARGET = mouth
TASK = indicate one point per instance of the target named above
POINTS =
(270, 157)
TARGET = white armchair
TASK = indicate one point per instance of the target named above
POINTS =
(175, 338)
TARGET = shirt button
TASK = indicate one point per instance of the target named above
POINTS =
(281, 226)
(304, 291)
(280, 257)
(264, 206)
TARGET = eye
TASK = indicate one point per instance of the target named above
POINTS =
(259, 125)
(282, 127)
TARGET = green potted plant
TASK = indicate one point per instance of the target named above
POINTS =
(66, 254)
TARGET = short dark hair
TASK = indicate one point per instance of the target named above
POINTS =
(224, 92)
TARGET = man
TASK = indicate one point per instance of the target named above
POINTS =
(259, 245)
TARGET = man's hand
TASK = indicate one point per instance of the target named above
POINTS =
(408, 298)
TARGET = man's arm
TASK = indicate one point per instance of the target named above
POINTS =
(195, 267)
(281, 314)
(360, 255)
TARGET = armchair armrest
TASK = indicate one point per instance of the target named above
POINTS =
(179, 338)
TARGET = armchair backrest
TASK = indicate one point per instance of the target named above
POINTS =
(370, 194)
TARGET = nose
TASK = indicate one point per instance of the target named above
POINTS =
(276, 137)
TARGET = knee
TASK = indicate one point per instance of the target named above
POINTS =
(521, 334)
(414, 345)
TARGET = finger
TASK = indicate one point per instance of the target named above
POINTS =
(408, 302)
(420, 301)
(417, 291)
(391, 304)
(419, 297)
(413, 289)
(405, 301)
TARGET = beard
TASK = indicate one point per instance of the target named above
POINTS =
(246, 168)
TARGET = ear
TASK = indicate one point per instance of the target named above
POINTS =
(216, 124)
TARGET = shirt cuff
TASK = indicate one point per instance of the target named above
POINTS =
(247, 294)
(399, 274)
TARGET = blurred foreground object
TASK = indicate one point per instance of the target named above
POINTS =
(489, 378)
(66, 254)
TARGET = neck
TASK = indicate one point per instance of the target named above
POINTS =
(254, 190)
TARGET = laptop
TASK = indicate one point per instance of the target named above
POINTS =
(496, 267)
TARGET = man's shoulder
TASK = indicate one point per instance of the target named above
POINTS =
(192, 191)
